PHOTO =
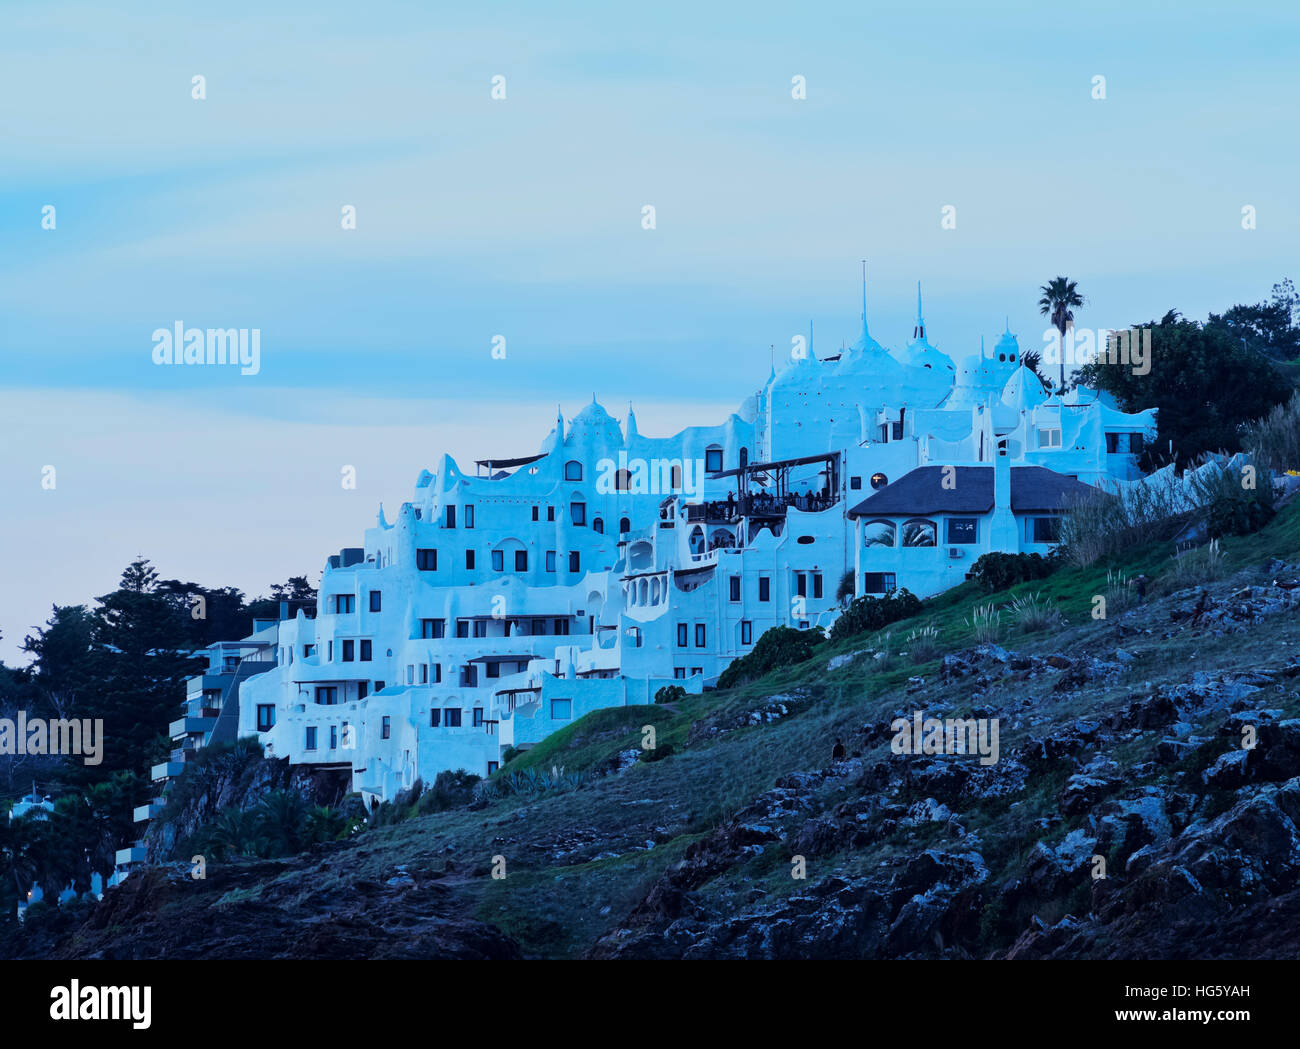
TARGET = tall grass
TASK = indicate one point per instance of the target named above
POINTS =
(923, 643)
(985, 623)
(1274, 441)
(1200, 566)
(1033, 613)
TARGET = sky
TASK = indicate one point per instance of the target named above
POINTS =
(522, 218)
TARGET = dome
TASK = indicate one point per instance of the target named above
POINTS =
(594, 424)
(1024, 390)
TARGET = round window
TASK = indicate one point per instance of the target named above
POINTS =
(879, 480)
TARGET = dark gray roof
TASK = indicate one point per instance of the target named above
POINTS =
(1033, 488)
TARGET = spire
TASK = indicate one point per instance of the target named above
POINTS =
(631, 422)
(1008, 328)
(864, 301)
(919, 331)
(981, 347)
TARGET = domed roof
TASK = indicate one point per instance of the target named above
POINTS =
(1008, 346)
(593, 423)
(1024, 390)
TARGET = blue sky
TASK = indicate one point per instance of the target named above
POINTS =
(521, 218)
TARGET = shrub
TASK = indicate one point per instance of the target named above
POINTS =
(670, 694)
(782, 646)
(1199, 566)
(923, 643)
(845, 590)
(1000, 571)
(1033, 613)
(985, 623)
(1119, 591)
(450, 790)
(873, 613)
(1274, 441)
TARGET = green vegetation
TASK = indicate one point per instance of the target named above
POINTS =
(872, 613)
(998, 571)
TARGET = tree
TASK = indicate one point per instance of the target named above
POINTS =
(1204, 383)
(1059, 298)
(1269, 327)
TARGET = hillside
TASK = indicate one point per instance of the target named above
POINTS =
(1118, 737)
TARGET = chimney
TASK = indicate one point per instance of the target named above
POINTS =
(1003, 534)
(284, 611)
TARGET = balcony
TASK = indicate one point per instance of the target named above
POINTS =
(144, 813)
(132, 854)
(167, 770)
(188, 726)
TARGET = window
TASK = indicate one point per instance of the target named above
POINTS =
(855, 483)
(308, 650)
(1112, 443)
(379, 686)
(898, 430)
(363, 689)
(561, 626)
(764, 588)
(624, 526)
(746, 632)
(386, 729)
(437, 672)
(451, 516)
(573, 470)
(578, 514)
(469, 560)
(462, 628)
(535, 517)
(919, 532)
(480, 628)
(713, 460)
(574, 561)
(327, 695)
(801, 584)
(493, 766)
(424, 673)
(452, 717)
(561, 709)
(878, 582)
(734, 588)
(962, 530)
(697, 671)
(344, 603)
(410, 673)
(426, 560)
(550, 513)
(349, 651)
(435, 717)
(878, 481)
(334, 737)
(550, 560)
(498, 560)
(521, 560)
(376, 600)
(329, 652)
(675, 478)
(469, 517)
(1046, 529)
(683, 633)
(478, 717)
(1049, 438)
(817, 584)
(879, 533)
(310, 743)
(598, 526)
(265, 717)
(433, 628)
(700, 633)
(493, 669)
(679, 673)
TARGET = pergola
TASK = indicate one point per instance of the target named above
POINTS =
(780, 471)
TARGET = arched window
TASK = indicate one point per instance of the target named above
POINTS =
(713, 459)
(624, 526)
(573, 470)
(623, 481)
(919, 532)
(598, 526)
(879, 533)
(675, 478)
(744, 457)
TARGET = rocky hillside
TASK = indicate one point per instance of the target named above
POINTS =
(1123, 816)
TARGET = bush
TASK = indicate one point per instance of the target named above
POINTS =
(986, 624)
(1033, 613)
(873, 613)
(782, 646)
(450, 790)
(1000, 571)
(670, 694)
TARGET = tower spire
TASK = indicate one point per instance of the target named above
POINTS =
(919, 331)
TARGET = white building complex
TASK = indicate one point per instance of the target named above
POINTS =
(501, 604)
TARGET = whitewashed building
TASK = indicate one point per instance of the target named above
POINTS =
(502, 603)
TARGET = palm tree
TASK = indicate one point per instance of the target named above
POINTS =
(1059, 297)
